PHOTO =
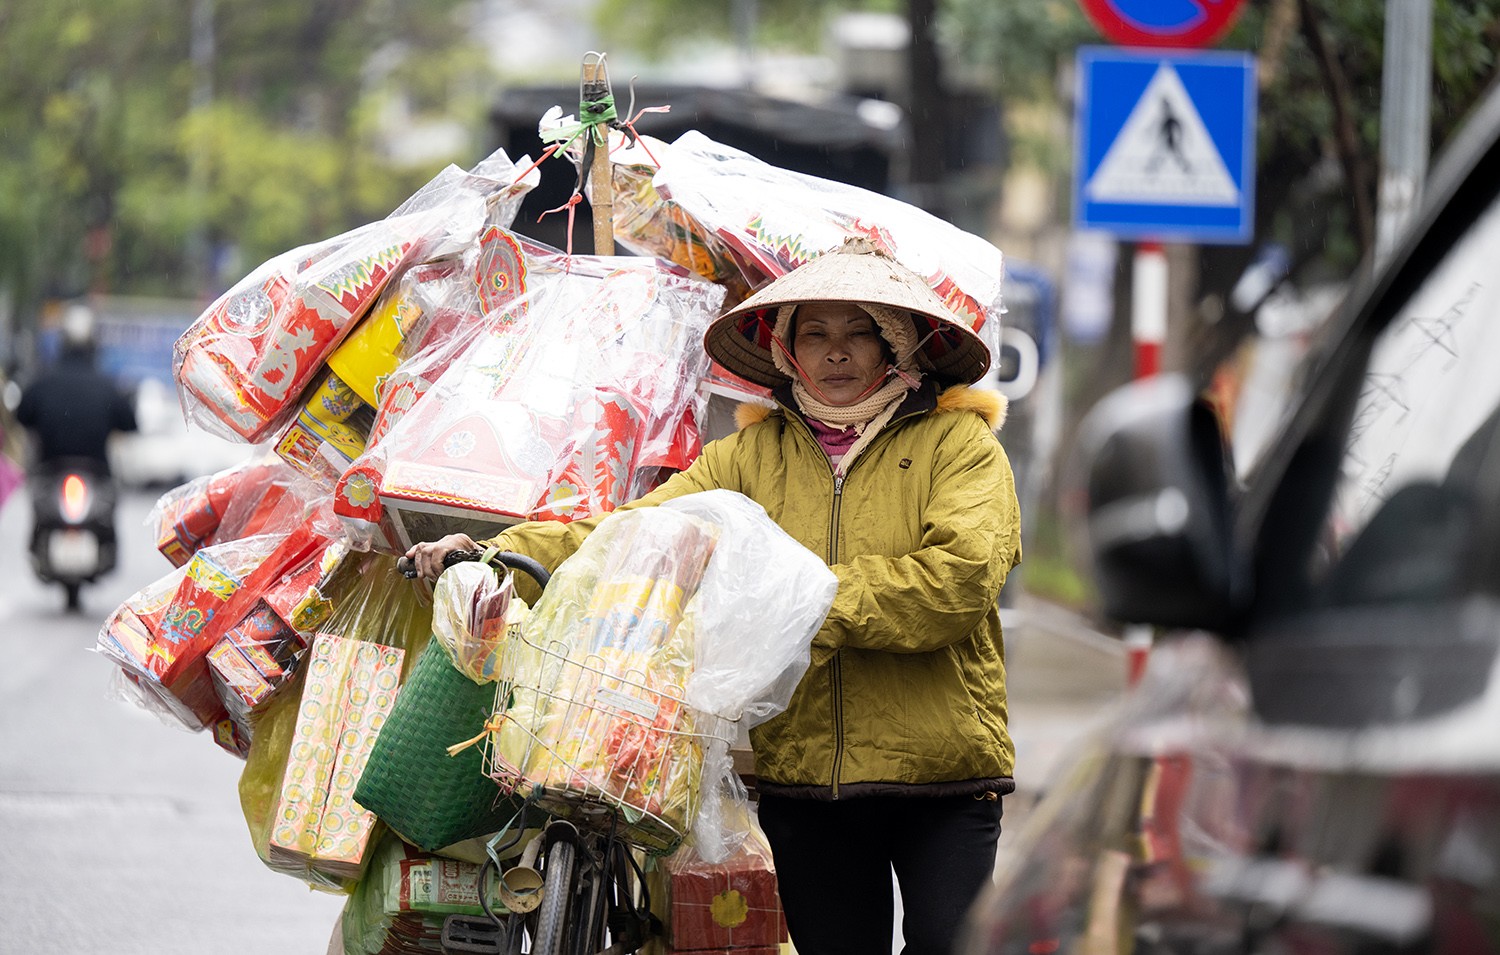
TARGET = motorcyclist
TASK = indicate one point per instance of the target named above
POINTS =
(72, 408)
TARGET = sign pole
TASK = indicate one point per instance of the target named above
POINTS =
(1148, 306)
(1148, 332)
(1164, 146)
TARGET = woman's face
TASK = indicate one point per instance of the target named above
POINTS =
(840, 350)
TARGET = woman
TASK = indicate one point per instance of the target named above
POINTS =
(893, 753)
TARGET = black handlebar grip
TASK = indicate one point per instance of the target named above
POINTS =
(526, 565)
(521, 562)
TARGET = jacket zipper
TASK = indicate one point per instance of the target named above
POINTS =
(836, 683)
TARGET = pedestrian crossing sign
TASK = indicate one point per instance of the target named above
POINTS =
(1164, 144)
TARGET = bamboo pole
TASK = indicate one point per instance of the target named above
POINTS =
(601, 187)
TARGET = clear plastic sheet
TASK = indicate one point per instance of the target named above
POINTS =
(160, 634)
(243, 364)
(762, 599)
(473, 610)
(258, 496)
(565, 407)
(769, 220)
(442, 312)
(620, 693)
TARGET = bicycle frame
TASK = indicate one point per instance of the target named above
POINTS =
(592, 899)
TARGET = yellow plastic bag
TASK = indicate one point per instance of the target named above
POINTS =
(376, 605)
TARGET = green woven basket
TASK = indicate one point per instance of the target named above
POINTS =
(427, 797)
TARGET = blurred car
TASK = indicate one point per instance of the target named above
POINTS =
(1312, 762)
(165, 450)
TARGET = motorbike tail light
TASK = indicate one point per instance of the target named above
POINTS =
(75, 499)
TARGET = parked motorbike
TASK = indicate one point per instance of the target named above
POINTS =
(73, 524)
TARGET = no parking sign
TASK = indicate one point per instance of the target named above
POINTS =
(1165, 23)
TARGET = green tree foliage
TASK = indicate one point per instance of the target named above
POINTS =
(1318, 142)
(654, 27)
(112, 159)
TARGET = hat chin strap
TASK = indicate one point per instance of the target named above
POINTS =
(892, 370)
(808, 383)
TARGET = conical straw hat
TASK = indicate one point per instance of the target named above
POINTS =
(857, 272)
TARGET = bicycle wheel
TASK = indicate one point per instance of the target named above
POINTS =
(556, 896)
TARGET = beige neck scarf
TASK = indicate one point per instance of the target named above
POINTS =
(842, 416)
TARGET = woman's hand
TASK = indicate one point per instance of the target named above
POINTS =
(428, 556)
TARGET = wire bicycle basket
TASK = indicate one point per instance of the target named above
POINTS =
(578, 729)
(590, 709)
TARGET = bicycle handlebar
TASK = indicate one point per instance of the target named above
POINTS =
(508, 558)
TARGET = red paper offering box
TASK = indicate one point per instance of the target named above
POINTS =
(248, 358)
(464, 473)
(253, 659)
(729, 906)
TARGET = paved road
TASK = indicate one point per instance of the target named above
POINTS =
(119, 834)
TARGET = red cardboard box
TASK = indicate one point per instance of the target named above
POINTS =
(732, 906)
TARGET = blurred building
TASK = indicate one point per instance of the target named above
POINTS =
(837, 115)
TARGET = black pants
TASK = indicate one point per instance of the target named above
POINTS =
(834, 863)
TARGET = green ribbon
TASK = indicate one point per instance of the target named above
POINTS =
(595, 113)
(598, 111)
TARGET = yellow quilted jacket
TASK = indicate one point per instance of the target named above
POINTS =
(906, 692)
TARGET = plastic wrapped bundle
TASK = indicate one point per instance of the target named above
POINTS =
(350, 688)
(258, 496)
(258, 655)
(160, 634)
(400, 904)
(243, 364)
(648, 224)
(473, 610)
(186, 517)
(567, 411)
(440, 310)
(772, 220)
(667, 626)
(435, 307)
(597, 679)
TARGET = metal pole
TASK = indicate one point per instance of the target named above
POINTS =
(1148, 306)
(1404, 129)
(1148, 332)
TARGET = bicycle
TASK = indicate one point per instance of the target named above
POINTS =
(589, 896)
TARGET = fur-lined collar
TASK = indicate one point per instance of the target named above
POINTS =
(992, 406)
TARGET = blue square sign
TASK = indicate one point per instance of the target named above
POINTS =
(1164, 144)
